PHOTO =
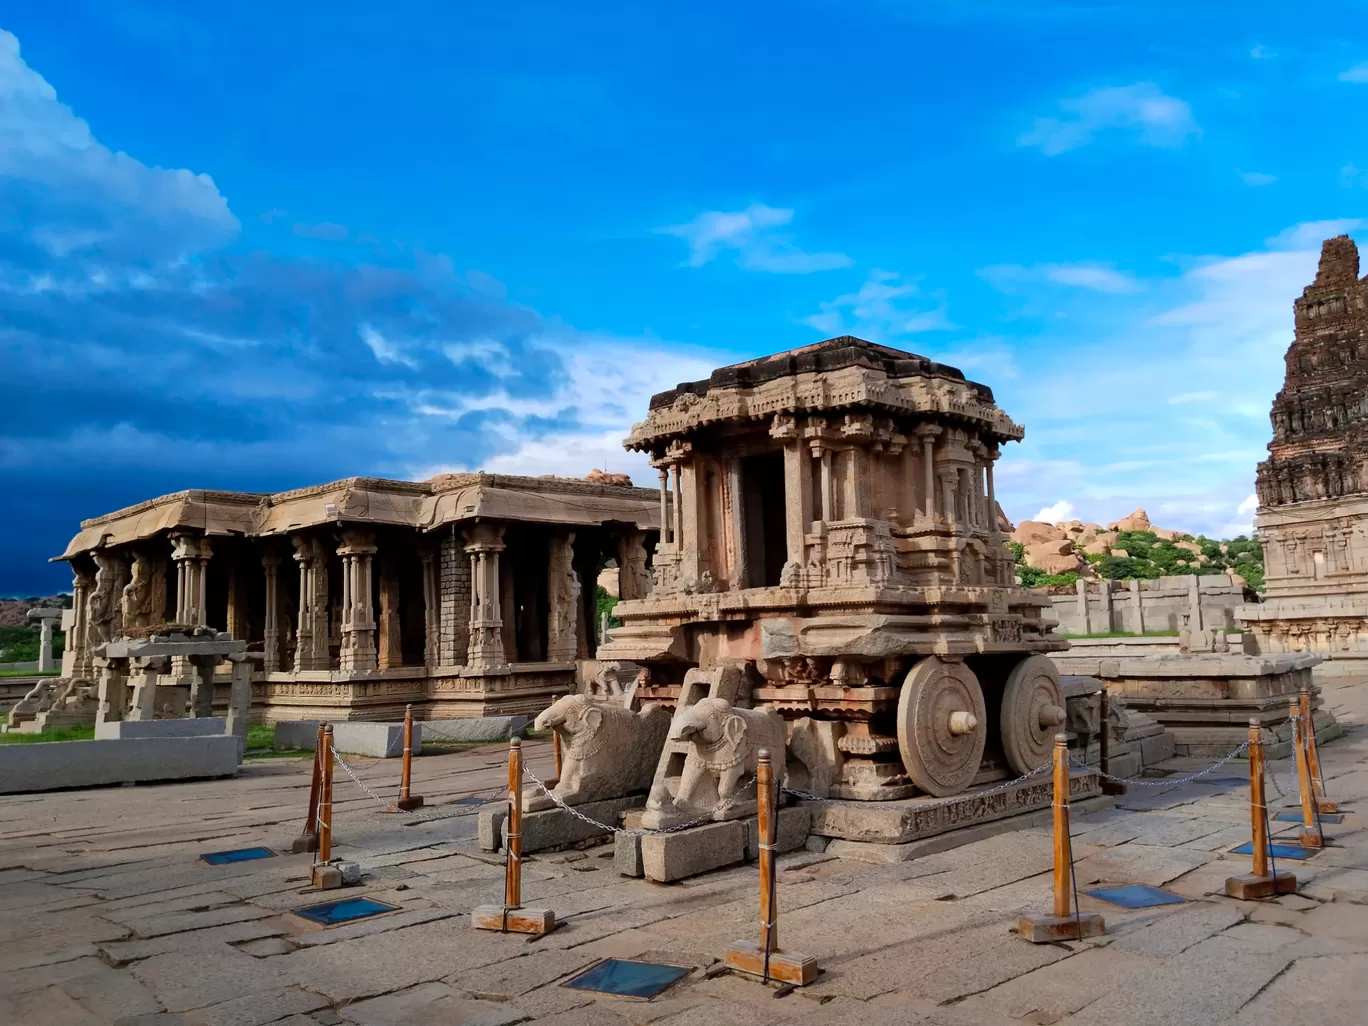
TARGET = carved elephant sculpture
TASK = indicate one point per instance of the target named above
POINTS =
(726, 745)
(607, 751)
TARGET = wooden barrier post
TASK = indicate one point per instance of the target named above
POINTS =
(325, 875)
(1311, 836)
(1323, 804)
(766, 959)
(308, 838)
(1067, 922)
(407, 801)
(1263, 882)
(511, 917)
(1104, 747)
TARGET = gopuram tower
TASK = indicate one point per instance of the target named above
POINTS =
(1313, 488)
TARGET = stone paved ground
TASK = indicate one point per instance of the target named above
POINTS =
(107, 916)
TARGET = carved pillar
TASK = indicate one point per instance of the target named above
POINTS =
(191, 554)
(855, 483)
(828, 487)
(390, 640)
(634, 580)
(239, 700)
(990, 455)
(76, 662)
(1137, 606)
(927, 433)
(270, 566)
(666, 535)
(103, 603)
(677, 532)
(45, 644)
(508, 609)
(562, 642)
(237, 619)
(143, 601)
(948, 480)
(358, 614)
(432, 622)
(143, 705)
(304, 629)
(798, 495)
(202, 685)
(907, 503)
(736, 517)
(113, 698)
(484, 542)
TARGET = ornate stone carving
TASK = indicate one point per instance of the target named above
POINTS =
(725, 745)
(608, 751)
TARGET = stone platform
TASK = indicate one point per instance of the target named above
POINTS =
(550, 829)
(854, 827)
(1208, 699)
(56, 765)
(386, 740)
(665, 858)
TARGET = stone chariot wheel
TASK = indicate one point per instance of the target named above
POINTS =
(942, 726)
(1032, 712)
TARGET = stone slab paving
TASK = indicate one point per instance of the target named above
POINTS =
(109, 918)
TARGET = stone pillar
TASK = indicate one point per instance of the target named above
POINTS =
(143, 600)
(798, 500)
(665, 532)
(76, 662)
(240, 700)
(855, 483)
(736, 517)
(634, 580)
(455, 596)
(508, 610)
(927, 433)
(1195, 604)
(1137, 606)
(143, 705)
(990, 457)
(113, 698)
(1084, 616)
(202, 685)
(677, 532)
(432, 620)
(484, 542)
(1108, 620)
(391, 645)
(103, 602)
(191, 554)
(311, 633)
(828, 487)
(270, 566)
(44, 645)
(949, 480)
(562, 641)
(358, 614)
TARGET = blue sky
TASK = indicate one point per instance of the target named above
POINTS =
(260, 246)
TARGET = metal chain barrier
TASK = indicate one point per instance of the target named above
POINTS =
(1167, 781)
(499, 795)
(643, 831)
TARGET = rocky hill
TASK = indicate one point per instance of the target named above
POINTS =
(1059, 554)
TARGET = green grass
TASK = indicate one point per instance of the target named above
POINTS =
(261, 744)
(29, 673)
(80, 732)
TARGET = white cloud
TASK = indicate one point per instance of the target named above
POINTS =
(876, 312)
(1250, 504)
(1262, 53)
(1192, 397)
(607, 382)
(111, 205)
(1309, 234)
(1352, 176)
(1157, 119)
(751, 235)
(1053, 514)
(1254, 179)
(1091, 276)
(385, 350)
(1357, 74)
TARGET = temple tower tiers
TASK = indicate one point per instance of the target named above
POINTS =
(1313, 488)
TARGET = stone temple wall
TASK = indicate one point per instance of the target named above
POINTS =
(1135, 607)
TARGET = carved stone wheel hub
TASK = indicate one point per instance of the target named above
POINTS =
(1032, 713)
(941, 730)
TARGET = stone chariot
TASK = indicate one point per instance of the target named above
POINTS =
(831, 552)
